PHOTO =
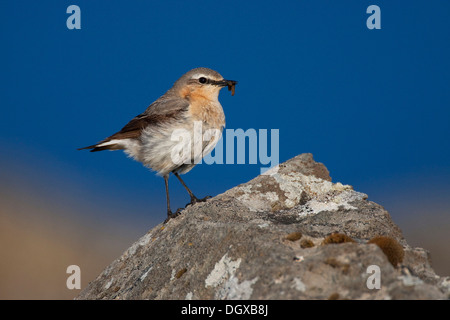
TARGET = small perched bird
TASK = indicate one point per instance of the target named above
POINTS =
(148, 138)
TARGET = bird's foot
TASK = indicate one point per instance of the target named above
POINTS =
(194, 200)
(171, 215)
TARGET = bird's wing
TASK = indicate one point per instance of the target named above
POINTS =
(167, 104)
(161, 111)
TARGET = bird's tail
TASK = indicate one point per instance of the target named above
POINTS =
(101, 147)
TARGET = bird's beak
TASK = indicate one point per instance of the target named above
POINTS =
(226, 83)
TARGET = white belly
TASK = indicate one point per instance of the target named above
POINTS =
(177, 147)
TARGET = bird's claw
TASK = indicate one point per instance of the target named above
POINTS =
(171, 215)
(196, 200)
(175, 214)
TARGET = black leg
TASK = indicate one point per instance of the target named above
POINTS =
(166, 181)
(170, 215)
(194, 199)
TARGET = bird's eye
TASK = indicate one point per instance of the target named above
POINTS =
(202, 80)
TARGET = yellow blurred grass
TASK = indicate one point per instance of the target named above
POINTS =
(39, 243)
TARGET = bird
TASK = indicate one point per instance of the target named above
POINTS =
(191, 104)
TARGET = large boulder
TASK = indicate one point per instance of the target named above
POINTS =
(288, 234)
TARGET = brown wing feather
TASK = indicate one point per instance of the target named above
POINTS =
(161, 111)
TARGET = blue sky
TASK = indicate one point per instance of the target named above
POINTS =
(372, 105)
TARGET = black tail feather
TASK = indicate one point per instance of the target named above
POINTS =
(90, 147)
(95, 148)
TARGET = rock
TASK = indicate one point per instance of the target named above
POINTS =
(265, 240)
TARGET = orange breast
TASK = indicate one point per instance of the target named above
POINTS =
(206, 108)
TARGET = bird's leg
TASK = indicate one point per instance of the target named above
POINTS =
(170, 215)
(194, 199)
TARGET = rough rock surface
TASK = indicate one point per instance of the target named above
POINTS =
(263, 240)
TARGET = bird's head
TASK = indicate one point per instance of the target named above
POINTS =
(202, 82)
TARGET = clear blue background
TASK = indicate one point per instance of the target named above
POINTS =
(372, 105)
